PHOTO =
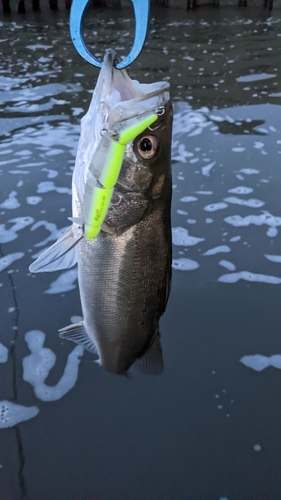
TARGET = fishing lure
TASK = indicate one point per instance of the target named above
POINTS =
(105, 169)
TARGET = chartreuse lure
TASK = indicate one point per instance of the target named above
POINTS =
(105, 169)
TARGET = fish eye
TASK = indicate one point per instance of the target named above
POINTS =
(147, 146)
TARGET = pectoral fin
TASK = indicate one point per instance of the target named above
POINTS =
(151, 363)
(77, 333)
(61, 255)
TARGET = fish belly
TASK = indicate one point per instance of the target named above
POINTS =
(124, 286)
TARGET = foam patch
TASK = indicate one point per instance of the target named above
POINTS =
(12, 414)
(37, 365)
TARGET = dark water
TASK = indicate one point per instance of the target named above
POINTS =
(208, 428)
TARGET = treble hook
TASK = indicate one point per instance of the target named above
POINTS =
(77, 12)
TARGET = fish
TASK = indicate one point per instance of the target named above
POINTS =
(124, 273)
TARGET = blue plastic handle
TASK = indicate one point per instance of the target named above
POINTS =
(77, 12)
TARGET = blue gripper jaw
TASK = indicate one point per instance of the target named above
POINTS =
(77, 12)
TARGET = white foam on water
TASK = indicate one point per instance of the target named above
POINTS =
(248, 276)
(182, 153)
(33, 164)
(258, 220)
(241, 190)
(275, 361)
(3, 353)
(262, 130)
(252, 202)
(272, 232)
(240, 177)
(55, 152)
(256, 362)
(24, 152)
(227, 264)
(33, 200)
(12, 414)
(6, 152)
(216, 118)
(258, 145)
(188, 199)
(255, 77)
(180, 237)
(37, 365)
(219, 249)
(183, 264)
(181, 212)
(64, 283)
(213, 207)
(7, 162)
(235, 238)
(238, 149)
(257, 447)
(204, 192)
(207, 169)
(47, 186)
(197, 131)
(9, 259)
(259, 362)
(273, 258)
(249, 171)
(19, 223)
(209, 221)
(51, 173)
(187, 120)
(18, 172)
(11, 202)
(76, 319)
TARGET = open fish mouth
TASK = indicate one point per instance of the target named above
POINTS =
(123, 98)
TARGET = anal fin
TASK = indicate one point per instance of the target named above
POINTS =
(151, 363)
(77, 333)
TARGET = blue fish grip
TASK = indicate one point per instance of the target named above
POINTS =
(77, 13)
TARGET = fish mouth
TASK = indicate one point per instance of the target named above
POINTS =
(122, 98)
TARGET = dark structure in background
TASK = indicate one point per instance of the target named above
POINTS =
(54, 4)
(21, 5)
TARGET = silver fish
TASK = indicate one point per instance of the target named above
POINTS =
(124, 274)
